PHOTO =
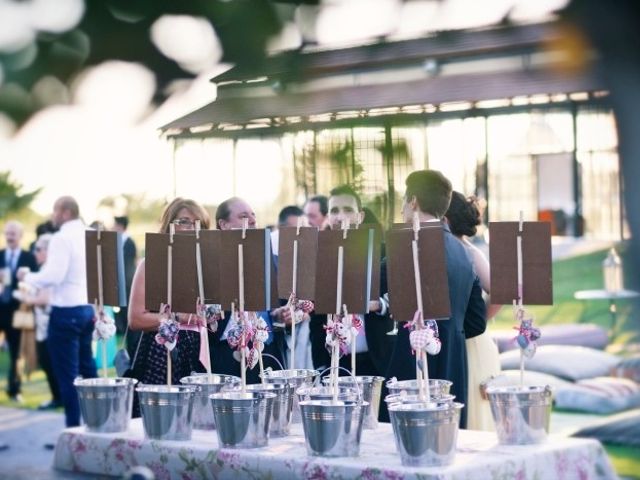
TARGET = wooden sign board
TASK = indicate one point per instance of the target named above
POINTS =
(536, 263)
(259, 286)
(357, 270)
(184, 280)
(113, 282)
(306, 263)
(376, 257)
(210, 250)
(433, 273)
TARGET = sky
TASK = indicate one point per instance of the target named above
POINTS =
(105, 143)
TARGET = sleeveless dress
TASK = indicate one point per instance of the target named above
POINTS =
(483, 362)
(483, 358)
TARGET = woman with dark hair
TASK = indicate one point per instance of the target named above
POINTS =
(483, 361)
(150, 359)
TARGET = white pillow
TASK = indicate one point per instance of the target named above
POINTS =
(599, 395)
(508, 378)
(565, 361)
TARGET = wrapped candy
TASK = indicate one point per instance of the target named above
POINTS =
(168, 329)
(527, 333)
(424, 338)
(341, 331)
(248, 335)
(104, 327)
(210, 314)
(300, 308)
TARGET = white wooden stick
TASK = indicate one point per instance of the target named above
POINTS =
(204, 338)
(104, 358)
(335, 355)
(100, 299)
(170, 264)
(520, 288)
(339, 282)
(243, 360)
(263, 380)
(423, 377)
(294, 288)
(168, 367)
(241, 277)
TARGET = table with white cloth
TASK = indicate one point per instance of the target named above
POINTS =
(478, 457)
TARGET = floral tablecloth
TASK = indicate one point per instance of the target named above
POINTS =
(478, 457)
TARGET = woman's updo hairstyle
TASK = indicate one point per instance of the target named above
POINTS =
(463, 215)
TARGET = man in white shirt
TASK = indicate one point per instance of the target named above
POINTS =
(71, 320)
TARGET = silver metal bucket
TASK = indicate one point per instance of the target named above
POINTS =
(295, 377)
(105, 403)
(332, 429)
(414, 398)
(282, 406)
(202, 416)
(166, 411)
(242, 419)
(425, 434)
(437, 388)
(521, 414)
(345, 394)
(371, 388)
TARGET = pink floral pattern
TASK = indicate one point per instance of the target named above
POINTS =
(478, 457)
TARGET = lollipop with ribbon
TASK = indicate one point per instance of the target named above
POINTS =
(299, 308)
(248, 335)
(167, 334)
(527, 333)
(339, 333)
(423, 338)
(209, 314)
(104, 327)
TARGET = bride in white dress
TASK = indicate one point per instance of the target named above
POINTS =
(483, 359)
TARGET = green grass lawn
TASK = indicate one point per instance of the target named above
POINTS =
(578, 273)
(581, 273)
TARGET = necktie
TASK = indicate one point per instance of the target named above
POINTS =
(8, 288)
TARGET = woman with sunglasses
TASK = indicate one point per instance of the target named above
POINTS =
(149, 362)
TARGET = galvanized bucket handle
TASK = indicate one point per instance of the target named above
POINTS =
(355, 380)
(274, 358)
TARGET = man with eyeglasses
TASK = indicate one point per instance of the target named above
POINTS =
(230, 215)
(71, 318)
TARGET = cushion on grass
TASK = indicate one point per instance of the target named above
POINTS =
(628, 368)
(621, 429)
(599, 395)
(564, 361)
(583, 335)
(509, 378)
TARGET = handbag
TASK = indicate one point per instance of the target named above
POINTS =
(122, 361)
(24, 318)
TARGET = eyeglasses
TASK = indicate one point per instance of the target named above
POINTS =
(184, 222)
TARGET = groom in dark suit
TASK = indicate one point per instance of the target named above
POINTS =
(372, 356)
(429, 193)
(11, 259)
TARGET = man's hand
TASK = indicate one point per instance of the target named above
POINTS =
(374, 306)
(283, 314)
(22, 272)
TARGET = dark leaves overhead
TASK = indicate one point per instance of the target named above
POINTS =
(120, 30)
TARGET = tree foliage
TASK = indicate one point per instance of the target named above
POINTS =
(12, 199)
(120, 30)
